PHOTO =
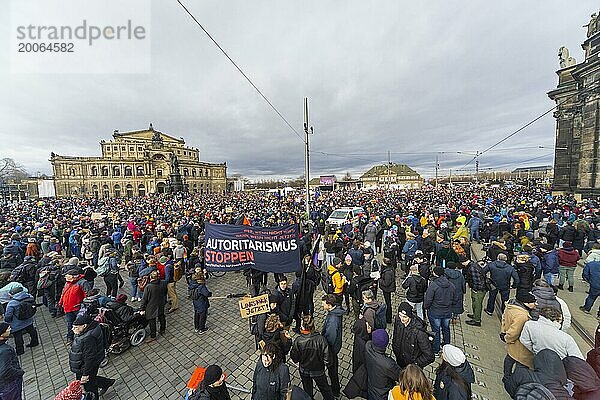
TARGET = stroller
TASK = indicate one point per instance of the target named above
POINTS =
(126, 326)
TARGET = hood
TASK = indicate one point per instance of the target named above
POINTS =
(548, 364)
(339, 311)
(417, 322)
(452, 273)
(501, 264)
(582, 374)
(544, 293)
(21, 296)
(442, 281)
(466, 372)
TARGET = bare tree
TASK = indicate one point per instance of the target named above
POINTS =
(11, 170)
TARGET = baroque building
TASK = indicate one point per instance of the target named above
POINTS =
(391, 176)
(577, 97)
(138, 163)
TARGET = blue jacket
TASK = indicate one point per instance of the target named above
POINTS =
(441, 297)
(501, 274)
(169, 272)
(332, 329)
(458, 280)
(591, 274)
(12, 309)
(410, 247)
(550, 262)
(9, 365)
(201, 304)
(358, 258)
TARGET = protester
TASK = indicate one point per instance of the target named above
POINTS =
(153, 304)
(86, 354)
(19, 314)
(71, 299)
(338, 280)
(415, 286)
(476, 279)
(332, 332)
(382, 370)
(362, 334)
(412, 385)
(411, 343)
(501, 274)
(585, 381)
(457, 278)
(387, 284)
(567, 259)
(213, 385)
(11, 373)
(514, 318)
(454, 376)
(440, 299)
(311, 352)
(591, 274)
(271, 376)
(199, 294)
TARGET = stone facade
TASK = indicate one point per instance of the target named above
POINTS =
(576, 160)
(136, 163)
(393, 176)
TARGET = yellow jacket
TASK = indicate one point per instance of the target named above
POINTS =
(462, 231)
(337, 278)
(395, 394)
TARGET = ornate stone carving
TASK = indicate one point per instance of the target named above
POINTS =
(564, 59)
(594, 25)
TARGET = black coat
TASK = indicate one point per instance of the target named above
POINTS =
(9, 364)
(269, 384)
(526, 272)
(311, 352)
(361, 337)
(87, 350)
(415, 286)
(441, 297)
(387, 281)
(382, 371)
(411, 344)
(446, 388)
(154, 299)
(285, 302)
(548, 370)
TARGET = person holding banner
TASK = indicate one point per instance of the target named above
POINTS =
(213, 385)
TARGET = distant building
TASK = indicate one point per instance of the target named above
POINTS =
(393, 176)
(577, 97)
(537, 173)
(137, 163)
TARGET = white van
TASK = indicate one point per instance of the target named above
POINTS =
(340, 215)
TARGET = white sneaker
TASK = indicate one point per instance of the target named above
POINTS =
(133, 298)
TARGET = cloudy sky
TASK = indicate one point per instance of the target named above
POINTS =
(414, 78)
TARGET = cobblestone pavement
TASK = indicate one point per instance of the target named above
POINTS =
(160, 370)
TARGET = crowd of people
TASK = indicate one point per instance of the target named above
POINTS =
(418, 245)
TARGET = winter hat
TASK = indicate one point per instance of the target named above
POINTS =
(15, 289)
(348, 257)
(525, 297)
(380, 338)
(4, 327)
(52, 254)
(82, 320)
(453, 355)
(122, 298)
(73, 272)
(438, 271)
(405, 309)
(73, 261)
(213, 373)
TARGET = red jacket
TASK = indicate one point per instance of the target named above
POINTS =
(72, 297)
(568, 257)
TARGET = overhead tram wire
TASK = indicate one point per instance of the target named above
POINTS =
(241, 71)
(530, 123)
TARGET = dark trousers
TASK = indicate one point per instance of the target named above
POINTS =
(152, 323)
(49, 299)
(504, 294)
(387, 296)
(12, 390)
(69, 319)
(18, 336)
(95, 381)
(594, 293)
(322, 384)
(200, 320)
(332, 371)
(111, 285)
(509, 364)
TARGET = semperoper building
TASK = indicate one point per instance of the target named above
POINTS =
(138, 163)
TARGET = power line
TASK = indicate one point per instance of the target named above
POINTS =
(240, 71)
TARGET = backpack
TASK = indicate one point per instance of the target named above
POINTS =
(327, 281)
(26, 309)
(103, 266)
(19, 274)
(107, 335)
(380, 320)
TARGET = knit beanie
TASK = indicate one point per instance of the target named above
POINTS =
(453, 355)
(380, 338)
(82, 320)
(405, 309)
(212, 374)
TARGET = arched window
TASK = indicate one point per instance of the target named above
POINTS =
(185, 172)
(117, 191)
(95, 190)
(72, 171)
(94, 171)
(105, 191)
(159, 172)
(116, 171)
(129, 190)
(104, 171)
(201, 173)
(139, 170)
(141, 189)
(128, 171)
(195, 190)
(194, 172)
